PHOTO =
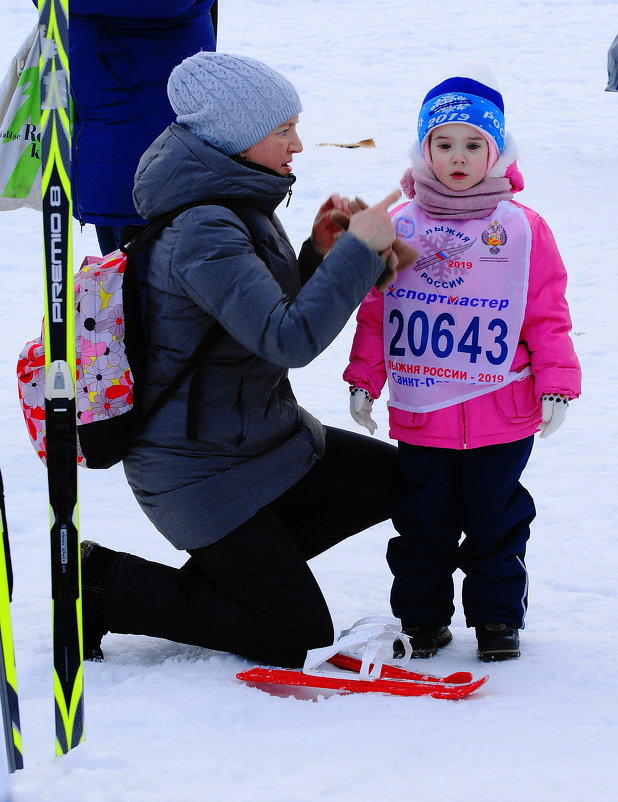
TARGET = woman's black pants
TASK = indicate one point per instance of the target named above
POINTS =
(252, 592)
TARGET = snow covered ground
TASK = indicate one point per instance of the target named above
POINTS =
(170, 723)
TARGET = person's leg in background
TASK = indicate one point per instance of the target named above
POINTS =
(109, 238)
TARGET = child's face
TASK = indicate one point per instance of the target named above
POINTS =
(459, 155)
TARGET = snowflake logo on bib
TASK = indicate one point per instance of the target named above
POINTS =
(438, 250)
(493, 236)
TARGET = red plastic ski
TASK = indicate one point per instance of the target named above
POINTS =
(372, 638)
(392, 681)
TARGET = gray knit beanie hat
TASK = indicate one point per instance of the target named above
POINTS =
(229, 101)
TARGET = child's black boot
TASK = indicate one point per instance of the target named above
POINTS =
(424, 640)
(497, 641)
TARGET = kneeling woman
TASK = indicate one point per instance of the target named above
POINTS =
(229, 467)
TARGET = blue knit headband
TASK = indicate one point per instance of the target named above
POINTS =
(463, 100)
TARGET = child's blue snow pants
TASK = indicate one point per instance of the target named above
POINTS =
(474, 492)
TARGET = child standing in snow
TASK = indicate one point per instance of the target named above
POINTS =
(473, 340)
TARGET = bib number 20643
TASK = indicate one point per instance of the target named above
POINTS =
(417, 334)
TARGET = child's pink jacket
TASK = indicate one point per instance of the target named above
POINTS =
(512, 412)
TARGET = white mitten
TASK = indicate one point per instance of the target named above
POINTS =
(553, 412)
(360, 408)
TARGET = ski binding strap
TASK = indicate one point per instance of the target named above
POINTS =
(373, 637)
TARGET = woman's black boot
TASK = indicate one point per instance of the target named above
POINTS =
(96, 560)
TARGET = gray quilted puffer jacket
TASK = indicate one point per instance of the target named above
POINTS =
(252, 440)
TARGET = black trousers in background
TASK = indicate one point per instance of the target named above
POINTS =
(475, 492)
(110, 238)
(252, 592)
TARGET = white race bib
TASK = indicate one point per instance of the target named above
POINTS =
(452, 320)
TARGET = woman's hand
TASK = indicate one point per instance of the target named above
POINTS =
(373, 226)
(325, 229)
(398, 255)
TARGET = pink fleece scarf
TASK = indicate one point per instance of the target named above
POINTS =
(479, 201)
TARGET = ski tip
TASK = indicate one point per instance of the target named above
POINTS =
(459, 678)
(459, 691)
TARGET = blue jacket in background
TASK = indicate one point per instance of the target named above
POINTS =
(121, 54)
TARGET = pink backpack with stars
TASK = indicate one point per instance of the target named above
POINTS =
(111, 349)
(104, 380)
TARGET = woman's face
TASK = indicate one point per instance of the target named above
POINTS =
(277, 149)
(459, 155)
